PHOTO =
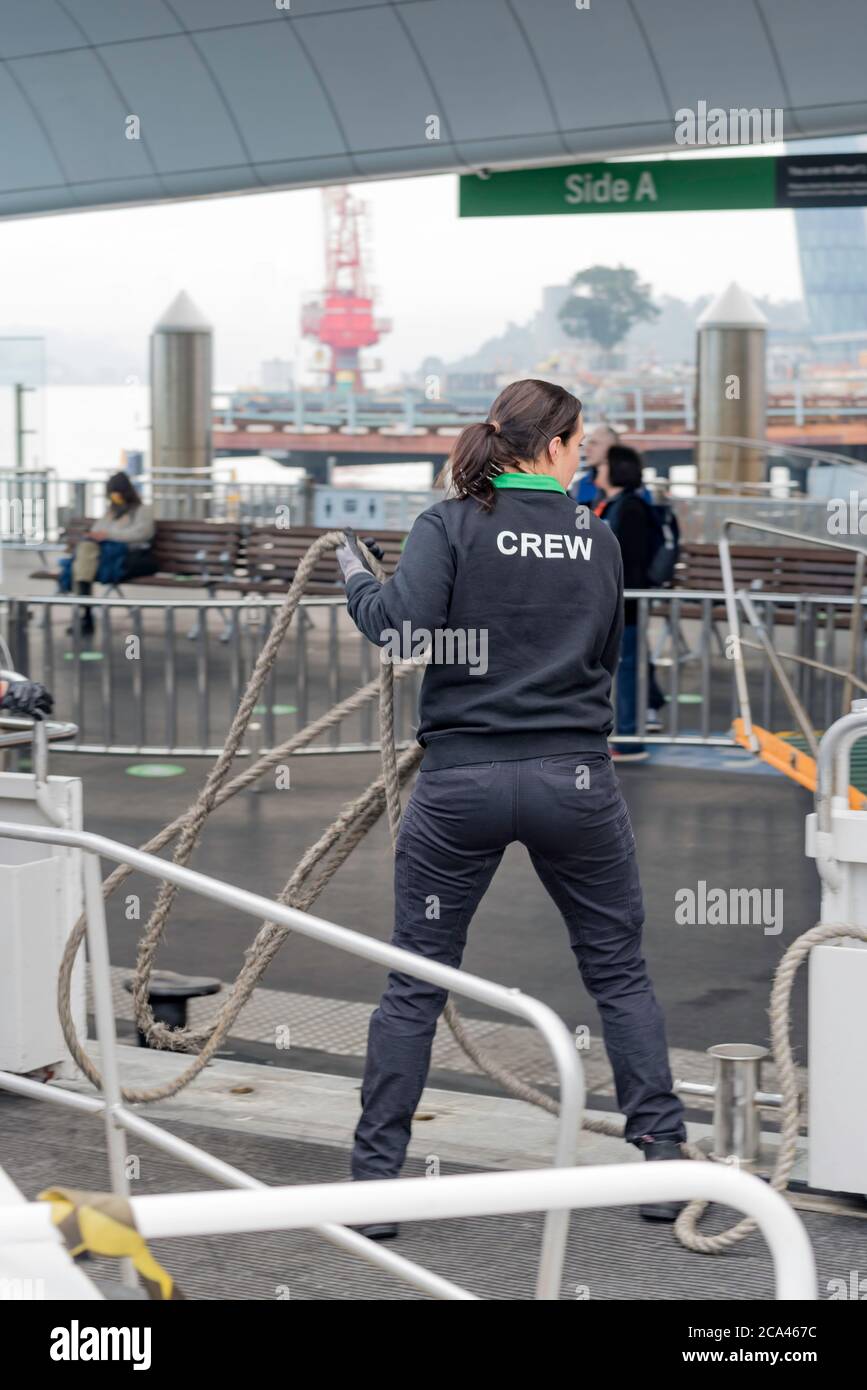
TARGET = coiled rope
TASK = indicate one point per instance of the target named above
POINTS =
(318, 865)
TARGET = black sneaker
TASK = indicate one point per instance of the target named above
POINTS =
(378, 1230)
(375, 1230)
(654, 1150)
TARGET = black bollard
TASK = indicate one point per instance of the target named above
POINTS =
(169, 994)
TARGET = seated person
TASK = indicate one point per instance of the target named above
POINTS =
(119, 547)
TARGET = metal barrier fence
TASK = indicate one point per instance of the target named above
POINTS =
(35, 506)
(163, 677)
(701, 519)
(797, 692)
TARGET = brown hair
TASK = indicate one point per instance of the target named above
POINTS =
(624, 467)
(122, 483)
(523, 420)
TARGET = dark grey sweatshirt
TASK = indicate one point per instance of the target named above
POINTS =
(522, 612)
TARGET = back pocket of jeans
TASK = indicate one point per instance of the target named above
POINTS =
(574, 764)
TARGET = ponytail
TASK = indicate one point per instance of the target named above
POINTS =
(478, 456)
(523, 420)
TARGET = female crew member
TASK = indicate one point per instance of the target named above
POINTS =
(515, 749)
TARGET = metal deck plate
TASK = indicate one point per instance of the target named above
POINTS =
(612, 1254)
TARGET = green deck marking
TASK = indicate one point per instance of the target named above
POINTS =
(155, 770)
(276, 709)
(83, 656)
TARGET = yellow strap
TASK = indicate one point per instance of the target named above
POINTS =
(100, 1223)
(791, 761)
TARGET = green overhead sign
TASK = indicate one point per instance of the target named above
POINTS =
(670, 185)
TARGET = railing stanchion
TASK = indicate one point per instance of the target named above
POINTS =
(854, 631)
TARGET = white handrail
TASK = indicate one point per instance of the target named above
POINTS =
(484, 1194)
(510, 1000)
(556, 1190)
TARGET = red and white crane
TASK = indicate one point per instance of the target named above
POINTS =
(342, 317)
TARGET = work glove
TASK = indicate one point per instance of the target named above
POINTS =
(27, 697)
(375, 548)
(350, 558)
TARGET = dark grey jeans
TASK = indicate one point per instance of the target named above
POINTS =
(569, 812)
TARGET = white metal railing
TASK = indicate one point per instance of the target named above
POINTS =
(734, 598)
(35, 507)
(482, 1194)
(326, 1207)
(119, 1117)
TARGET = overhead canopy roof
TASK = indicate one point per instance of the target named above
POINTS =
(236, 96)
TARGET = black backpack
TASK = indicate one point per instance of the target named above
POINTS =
(665, 545)
(664, 539)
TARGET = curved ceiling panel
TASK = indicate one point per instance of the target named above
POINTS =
(235, 95)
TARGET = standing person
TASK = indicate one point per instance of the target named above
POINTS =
(631, 520)
(596, 446)
(119, 546)
(515, 749)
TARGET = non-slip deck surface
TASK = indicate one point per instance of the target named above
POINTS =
(612, 1254)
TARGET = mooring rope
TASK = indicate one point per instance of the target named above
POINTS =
(313, 872)
(315, 869)
(780, 1014)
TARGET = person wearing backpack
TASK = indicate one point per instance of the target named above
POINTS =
(646, 555)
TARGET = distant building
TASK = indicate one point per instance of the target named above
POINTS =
(547, 325)
(832, 247)
(276, 374)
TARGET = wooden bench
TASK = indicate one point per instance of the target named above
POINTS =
(233, 557)
(203, 553)
(272, 554)
(769, 569)
(776, 569)
(190, 554)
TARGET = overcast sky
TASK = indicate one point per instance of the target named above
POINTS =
(447, 284)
